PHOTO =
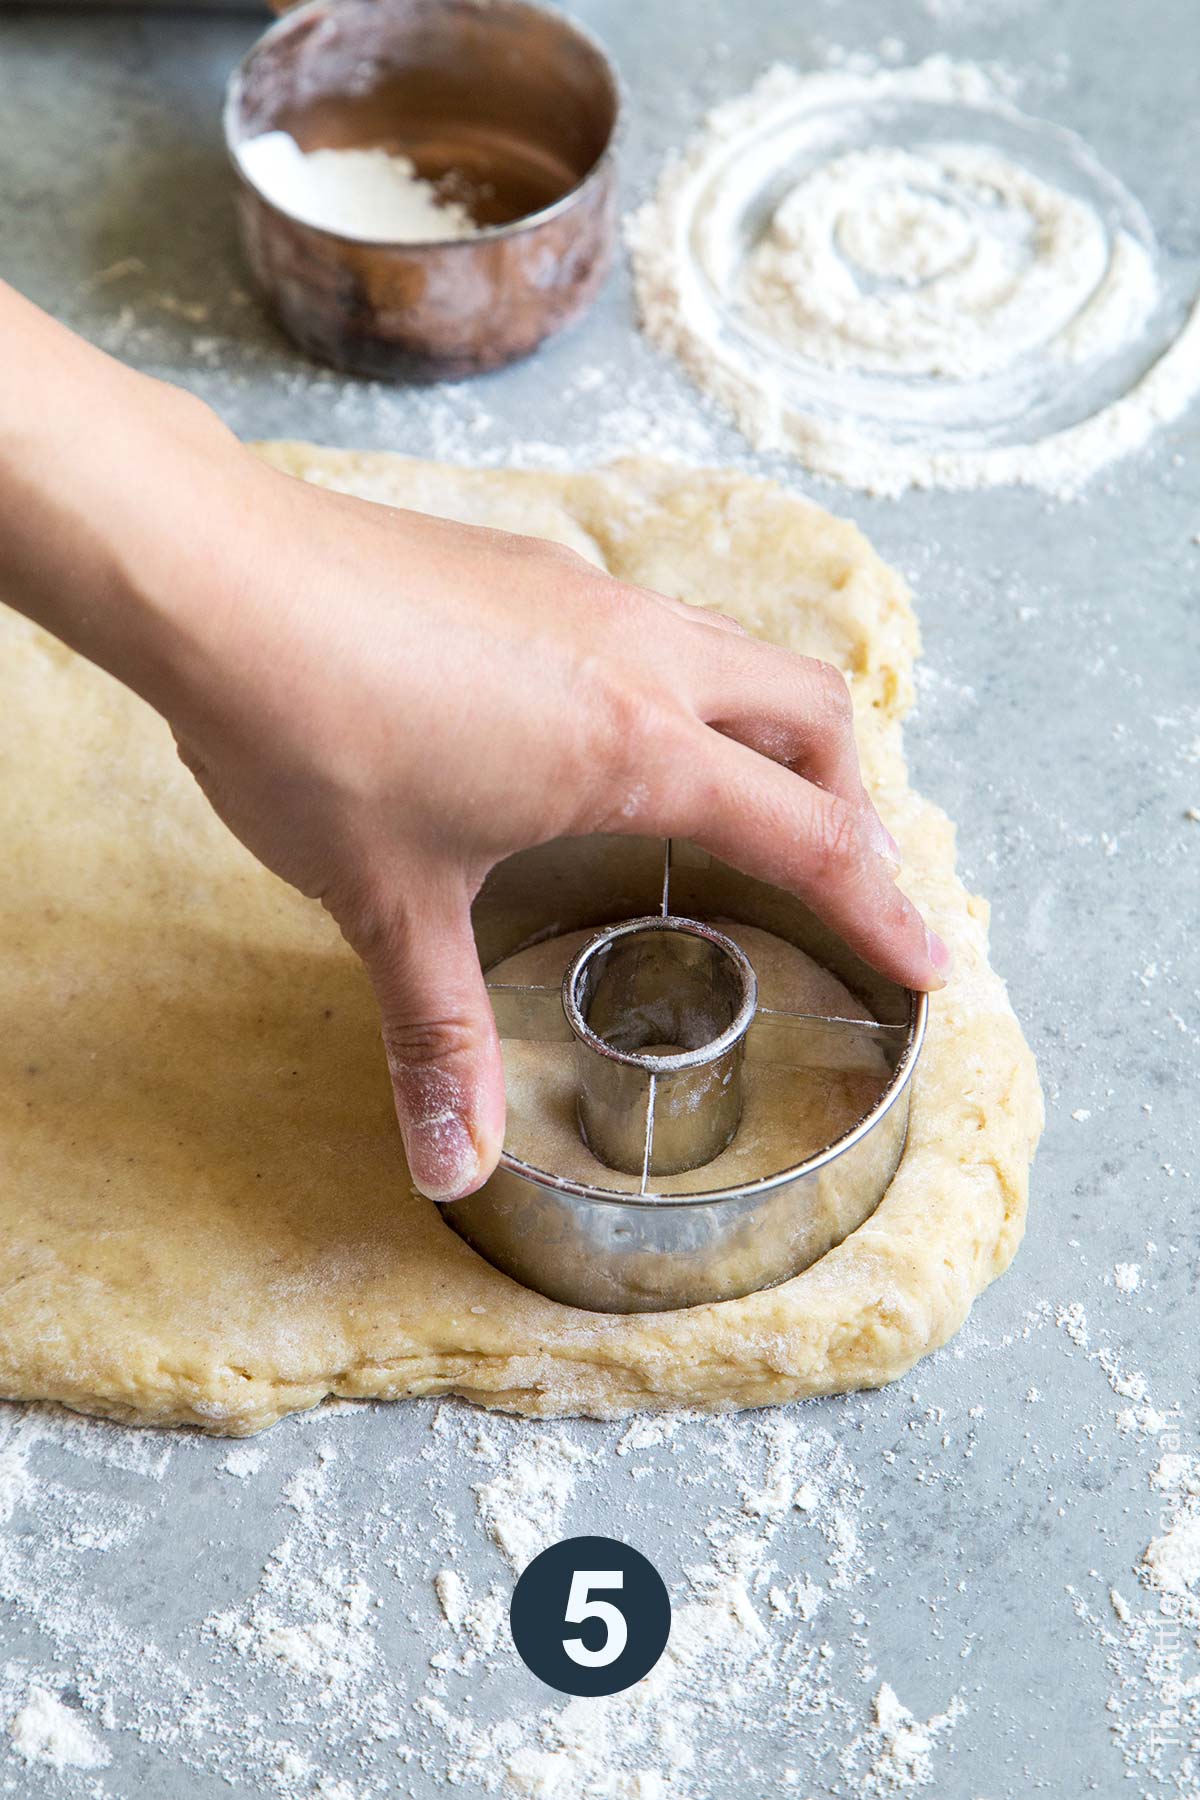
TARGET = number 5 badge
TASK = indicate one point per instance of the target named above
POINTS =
(590, 1616)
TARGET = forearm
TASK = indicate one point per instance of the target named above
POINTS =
(99, 509)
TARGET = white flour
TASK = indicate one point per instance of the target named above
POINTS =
(243, 1460)
(1153, 1655)
(374, 195)
(522, 1507)
(46, 1731)
(897, 277)
(906, 1745)
(740, 1640)
(971, 263)
(371, 1657)
(1172, 1561)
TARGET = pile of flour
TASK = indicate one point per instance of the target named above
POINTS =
(952, 262)
(865, 268)
(46, 1731)
(373, 195)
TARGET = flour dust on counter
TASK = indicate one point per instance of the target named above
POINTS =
(45, 1731)
(373, 1652)
(900, 279)
(1147, 1628)
(369, 1657)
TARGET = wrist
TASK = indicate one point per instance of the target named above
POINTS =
(114, 496)
(170, 548)
(105, 523)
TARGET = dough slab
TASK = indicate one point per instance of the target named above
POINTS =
(204, 1212)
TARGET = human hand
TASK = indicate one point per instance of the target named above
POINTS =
(383, 705)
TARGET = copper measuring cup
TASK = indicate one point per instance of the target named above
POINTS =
(516, 104)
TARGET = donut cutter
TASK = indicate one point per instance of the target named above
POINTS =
(662, 1008)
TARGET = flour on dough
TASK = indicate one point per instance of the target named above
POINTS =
(204, 1212)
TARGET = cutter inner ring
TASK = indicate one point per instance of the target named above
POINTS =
(661, 993)
(659, 1008)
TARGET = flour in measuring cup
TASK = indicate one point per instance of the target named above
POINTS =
(373, 195)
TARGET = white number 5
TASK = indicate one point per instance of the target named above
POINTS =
(581, 1607)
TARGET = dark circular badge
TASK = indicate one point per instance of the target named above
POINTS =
(590, 1616)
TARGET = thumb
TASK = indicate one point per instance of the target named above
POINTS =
(443, 1054)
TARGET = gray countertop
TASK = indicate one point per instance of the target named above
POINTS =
(263, 1622)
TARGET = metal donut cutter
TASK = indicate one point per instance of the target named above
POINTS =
(662, 1008)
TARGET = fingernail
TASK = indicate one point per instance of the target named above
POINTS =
(442, 1158)
(939, 952)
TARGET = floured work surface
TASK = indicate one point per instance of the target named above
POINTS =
(204, 1212)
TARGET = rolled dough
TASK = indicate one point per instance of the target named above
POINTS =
(204, 1212)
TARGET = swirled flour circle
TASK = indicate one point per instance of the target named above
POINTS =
(904, 281)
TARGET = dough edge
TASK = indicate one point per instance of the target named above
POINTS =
(951, 1222)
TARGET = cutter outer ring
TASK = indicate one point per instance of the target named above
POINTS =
(603, 1249)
